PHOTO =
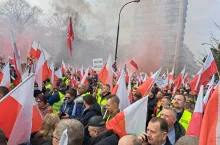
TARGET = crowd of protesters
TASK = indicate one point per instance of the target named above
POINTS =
(84, 111)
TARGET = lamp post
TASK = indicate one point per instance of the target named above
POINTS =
(116, 49)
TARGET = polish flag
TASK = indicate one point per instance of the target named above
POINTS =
(147, 85)
(207, 95)
(5, 79)
(35, 52)
(63, 67)
(46, 55)
(19, 115)
(126, 121)
(17, 60)
(210, 69)
(209, 134)
(145, 77)
(121, 91)
(212, 81)
(178, 80)
(129, 90)
(170, 78)
(85, 77)
(163, 76)
(134, 64)
(52, 74)
(57, 75)
(196, 119)
(185, 79)
(41, 71)
(194, 82)
(106, 73)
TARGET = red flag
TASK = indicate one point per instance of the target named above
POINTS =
(134, 64)
(209, 134)
(70, 36)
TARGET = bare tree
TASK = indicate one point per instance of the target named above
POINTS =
(19, 14)
(61, 10)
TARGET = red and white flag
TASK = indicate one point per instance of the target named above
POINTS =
(210, 68)
(42, 71)
(178, 80)
(185, 79)
(70, 36)
(121, 91)
(147, 85)
(209, 134)
(170, 78)
(212, 81)
(63, 67)
(19, 116)
(85, 77)
(5, 79)
(207, 95)
(106, 73)
(134, 64)
(35, 52)
(126, 121)
(194, 82)
(17, 60)
(196, 119)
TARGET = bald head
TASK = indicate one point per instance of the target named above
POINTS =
(129, 140)
(188, 140)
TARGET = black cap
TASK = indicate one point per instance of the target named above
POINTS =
(96, 121)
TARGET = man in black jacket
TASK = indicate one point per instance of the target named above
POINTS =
(91, 109)
(99, 134)
(176, 130)
(152, 101)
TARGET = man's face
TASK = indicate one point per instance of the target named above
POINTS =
(40, 103)
(159, 95)
(69, 98)
(165, 102)
(92, 131)
(169, 116)
(179, 102)
(105, 89)
(80, 89)
(154, 135)
(56, 140)
(110, 106)
(189, 99)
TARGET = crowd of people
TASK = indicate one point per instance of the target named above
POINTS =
(83, 110)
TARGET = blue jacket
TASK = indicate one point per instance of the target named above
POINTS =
(68, 108)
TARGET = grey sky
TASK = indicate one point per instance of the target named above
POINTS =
(200, 22)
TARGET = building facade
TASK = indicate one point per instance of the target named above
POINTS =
(163, 22)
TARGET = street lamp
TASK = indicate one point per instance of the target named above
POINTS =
(116, 49)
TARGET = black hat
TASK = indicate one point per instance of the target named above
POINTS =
(96, 121)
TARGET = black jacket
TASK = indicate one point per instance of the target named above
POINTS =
(150, 108)
(179, 132)
(39, 140)
(94, 110)
(106, 138)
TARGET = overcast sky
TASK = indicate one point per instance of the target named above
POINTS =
(199, 24)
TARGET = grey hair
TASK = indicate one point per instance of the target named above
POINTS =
(171, 109)
(75, 131)
(188, 140)
(83, 86)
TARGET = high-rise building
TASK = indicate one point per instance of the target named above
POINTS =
(162, 22)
